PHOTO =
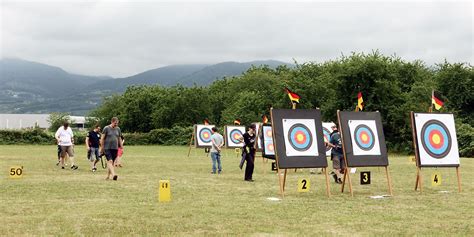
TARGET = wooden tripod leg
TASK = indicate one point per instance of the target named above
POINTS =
(459, 179)
(417, 178)
(190, 144)
(284, 180)
(350, 182)
(420, 180)
(280, 182)
(344, 180)
(328, 191)
(389, 181)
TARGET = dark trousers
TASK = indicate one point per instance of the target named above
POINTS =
(250, 159)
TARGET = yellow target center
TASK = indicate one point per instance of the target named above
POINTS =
(364, 137)
(300, 137)
(436, 139)
(270, 147)
(206, 135)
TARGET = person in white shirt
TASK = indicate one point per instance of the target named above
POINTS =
(217, 143)
(65, 139)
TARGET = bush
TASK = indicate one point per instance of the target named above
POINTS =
(465, 134)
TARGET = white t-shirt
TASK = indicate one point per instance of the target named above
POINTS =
(64, 136)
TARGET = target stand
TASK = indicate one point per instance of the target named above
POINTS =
(201, 137)
(435, 143)
(298, 142)
(363, 144)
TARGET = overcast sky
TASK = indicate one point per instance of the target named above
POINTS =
(124, 38)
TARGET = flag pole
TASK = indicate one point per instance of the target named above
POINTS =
(430, 109)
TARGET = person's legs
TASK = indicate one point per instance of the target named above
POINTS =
(249, 168)
(336, 165)
(219, 165)
(118, 161)
(63, 155)
(111, 155)
(214, 160)
(70, 152)
(110, 169)
(97, 157)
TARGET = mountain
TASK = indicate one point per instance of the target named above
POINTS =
(214, 72)
(24, 82)
(165, 76)
(30, 87)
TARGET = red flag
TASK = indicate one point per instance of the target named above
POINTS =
(264, 119)
(206, 122)
(237, 122)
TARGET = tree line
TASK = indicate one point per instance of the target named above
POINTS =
(388, 84)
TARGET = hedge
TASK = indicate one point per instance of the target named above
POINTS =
(178, 136)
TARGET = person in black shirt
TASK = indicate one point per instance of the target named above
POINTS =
(337, 155)
(92, 145)
(248, 150)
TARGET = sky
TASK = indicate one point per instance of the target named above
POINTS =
(123, 38)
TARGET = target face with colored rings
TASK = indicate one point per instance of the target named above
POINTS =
(268, 134)
(205, 135)
(299, 137)
(436, 139)
(327, 137)
(270, 149)
(364, 137)
(235, 135)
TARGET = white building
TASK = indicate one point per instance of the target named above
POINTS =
(20, 121)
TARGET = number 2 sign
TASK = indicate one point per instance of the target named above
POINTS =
(303, 185)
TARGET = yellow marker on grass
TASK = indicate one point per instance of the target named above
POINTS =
(164, 191)
(303, 185)
(435, 179)
(16, 172)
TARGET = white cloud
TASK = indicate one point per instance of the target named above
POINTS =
(124, 38)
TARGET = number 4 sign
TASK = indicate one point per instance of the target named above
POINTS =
(16, 172)
(435, 179)
(303, 185)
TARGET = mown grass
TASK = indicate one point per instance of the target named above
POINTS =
(51, 201)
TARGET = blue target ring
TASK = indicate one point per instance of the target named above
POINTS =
(300, 137)
(234, 136)
(364, 137)
(436, 139)
(205, 135)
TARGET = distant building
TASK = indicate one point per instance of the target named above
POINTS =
(21, 121)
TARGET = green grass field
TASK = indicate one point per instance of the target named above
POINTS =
(51, 201)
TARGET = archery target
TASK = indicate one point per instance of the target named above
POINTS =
(436, 138)
(300, 137)
(364, 137)
(203, 135)
(327, 130)
(269, 148)
(233, 135)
